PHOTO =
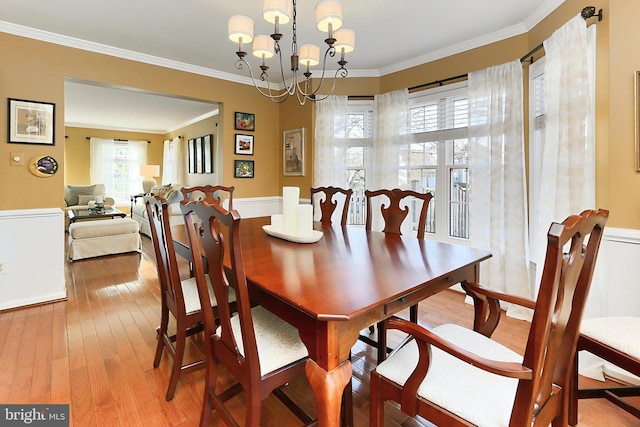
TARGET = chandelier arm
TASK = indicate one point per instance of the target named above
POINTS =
(240, 63)
(330, 52)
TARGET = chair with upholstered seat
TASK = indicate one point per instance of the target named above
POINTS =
(395, 206)
(454, 376)
(210, 193)
(326, 199)
(259, 349)
(616, 342)
(178, 297)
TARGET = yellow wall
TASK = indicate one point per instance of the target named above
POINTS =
(25, 77)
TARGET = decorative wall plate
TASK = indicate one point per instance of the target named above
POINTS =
(43, 166)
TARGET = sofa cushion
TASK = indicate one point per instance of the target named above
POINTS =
(102, 228)
(84, 199)
(71, 193)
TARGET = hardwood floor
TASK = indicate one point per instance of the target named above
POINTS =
(95, 352)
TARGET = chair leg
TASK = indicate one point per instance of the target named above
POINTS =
(573, 394)
(254, 409)
(181, 338)
(376, 408)
(207, 406)
(413, 313)
(382, 342)
(161, 331)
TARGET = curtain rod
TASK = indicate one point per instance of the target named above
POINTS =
(115, 139)
(586, 13)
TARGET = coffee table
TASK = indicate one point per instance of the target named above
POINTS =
(87, 214)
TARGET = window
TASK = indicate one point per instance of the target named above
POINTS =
(436, 159)
(117, 165)
(359, 134)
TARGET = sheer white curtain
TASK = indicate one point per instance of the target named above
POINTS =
(567, 183)
(173, 161)
(497, 185)
(330, 153)
(391, 120)
(117, 165)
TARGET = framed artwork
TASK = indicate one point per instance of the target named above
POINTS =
(293, 151)
(637, 119)
(244, 144)
(31, 122)
(198, 155)
(243, 169)
(245, 121)
(207, 153)
(191, 154)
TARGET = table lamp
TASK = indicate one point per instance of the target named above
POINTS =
(149, 172)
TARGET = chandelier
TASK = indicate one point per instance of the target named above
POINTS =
(328, 15)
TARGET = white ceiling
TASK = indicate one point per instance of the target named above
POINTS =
(191, 36)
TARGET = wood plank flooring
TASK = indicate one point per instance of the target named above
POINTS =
(95, 352)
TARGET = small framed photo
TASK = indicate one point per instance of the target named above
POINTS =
(244, 144)
(243, 169)
(245, 121)
(31, 122)
(293, 151)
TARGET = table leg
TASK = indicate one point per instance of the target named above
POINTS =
(327, 390)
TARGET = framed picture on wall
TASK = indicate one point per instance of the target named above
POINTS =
(243, 169)
(207, 153)
(637, 118)
(198, 156)
(244, 144)
(245, 121)
(31, 122)
(191, 154)
(293, 151)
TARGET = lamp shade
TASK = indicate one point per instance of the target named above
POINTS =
(309, 55)
(149, 171)
(345, 39)
(328, 12)
(263, 46)
(240, 28)
(276, 8)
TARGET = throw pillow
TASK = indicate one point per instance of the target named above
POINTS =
(164, 191)
(84, 199)
(71, 193)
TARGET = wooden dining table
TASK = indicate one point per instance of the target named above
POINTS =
(332, 289)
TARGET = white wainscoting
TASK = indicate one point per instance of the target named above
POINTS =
(32, 257)
(615, 290)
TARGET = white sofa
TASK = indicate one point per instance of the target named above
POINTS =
(173, 196)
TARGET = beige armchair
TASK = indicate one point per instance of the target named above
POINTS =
(79, 196)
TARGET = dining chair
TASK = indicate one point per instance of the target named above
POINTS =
(210, 193)
(259, 349)
(616, 341)
(395, 206)
(179, 298)
(323, 198)
(455, 376)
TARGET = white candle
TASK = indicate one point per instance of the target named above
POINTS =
(290, 199)
(99, 199)
(304, 220)
(276, 222)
